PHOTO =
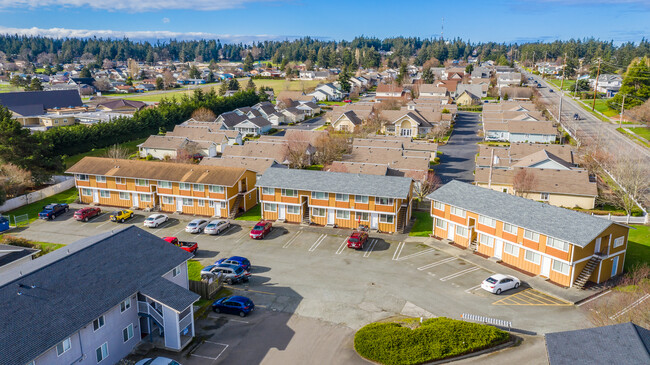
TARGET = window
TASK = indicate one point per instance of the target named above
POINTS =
(198, 187)
(619, 241)
(561, 267)
(342, 197)
(184, 186)
(342, 214)
(441, 223)
(176, 271)
(218, 189)
(63, 346)
(438, 205)
(268, 207)
(385, 218)
(458, 212)
(100, 179)
(98, 323)
(82, 177)
(145, 198)
(487, 221)
(319, 195)
(487, 240)
(290, 193)
(200, 202)
(86, 192)
(318, 212)
(127, 333)
(507, 227)
(102, 352)
(461, 231)
(293, 209)
(141, 182)
(558, 244)
(533, 257)
(120, 180)
(362, 199)
(167, 200)
(511, 249)
(530, 235)
(363, 216)
(188, 202)
(104, 193)
(504, 190)
(268, 191)
(384, 201)
(124, 196)
(543, 197)
(126, 304)
(165, 184)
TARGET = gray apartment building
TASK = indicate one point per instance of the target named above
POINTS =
(92, 301)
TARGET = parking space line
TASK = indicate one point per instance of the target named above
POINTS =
(225, 346)
(429, 250)
(291, 240)
(473, 288)
(220, 235)
(317, 243)
(630, 307)
(460, 273)
(398, 251)
(532, 297)
(181, 230)
(108, 221)
(448, 259)
(546, 299)
(206, 357)
(372, 246)
(342, 247)
(594, 298)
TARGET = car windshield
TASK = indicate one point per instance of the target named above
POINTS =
(49, 207)
(258, 228)
(491, 280)
(150, 218)
(211, 225)
(239, 270)
(115, 213)
(353, 240)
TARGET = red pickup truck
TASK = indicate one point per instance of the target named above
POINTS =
(190, 247)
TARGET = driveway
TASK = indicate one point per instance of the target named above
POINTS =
(458, 159)
(309, 124)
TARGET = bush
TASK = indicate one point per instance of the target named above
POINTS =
(149, 157)
(410, 342)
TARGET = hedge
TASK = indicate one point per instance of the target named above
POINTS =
(393, 343)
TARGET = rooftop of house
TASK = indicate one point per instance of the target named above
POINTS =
(522, 127)
(164, 142)
(120, 103)
(389, 88)
(256, 164)
(357, 168)
(569, 182)
(10, 253)
(29, 103)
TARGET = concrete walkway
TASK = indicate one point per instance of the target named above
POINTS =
(458, 155)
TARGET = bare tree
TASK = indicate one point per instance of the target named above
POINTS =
(107, 64)
(284, 103)
(640, 113)
(632, 176)
(204, 115)
(188, 152)
(117, 152)
(14, 180)
(423, 188)
(331, 147)
(439, 132)
(134, 69)
(523, 181)
(103, 84)
(168, 79)
(296, 151)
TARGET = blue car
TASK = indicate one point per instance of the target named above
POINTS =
(234, 305)
(236, 260)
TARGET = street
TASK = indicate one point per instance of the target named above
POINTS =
(459, 154)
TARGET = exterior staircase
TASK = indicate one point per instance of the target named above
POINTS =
(401, 219)
(473, 245)
(305, 215)
(592, 264)
(235, 208)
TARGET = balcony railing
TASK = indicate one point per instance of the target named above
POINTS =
(146, 308)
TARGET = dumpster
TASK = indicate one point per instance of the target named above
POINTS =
(4, 224)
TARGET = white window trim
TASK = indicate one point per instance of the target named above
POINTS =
(367, 199)
(382, 218)
(127, 333)
(100, 325)
(82, 177)
(358, 216)
(516, 249)
(269, 191)
(63, 347)
(189, 200)
(127, 306)
(515, 228)
(531, 239)
(293, 207)
(283, 193)
(162, 184)
(273, 205)
(493, 224)
(539, 261)
(196, 186)
(100, 178)
(526, 248)
(318, 208)
(327, 195)
(176, 271)
(544, 199)
(167, 197)
(336, 215)
(137, 182)
(489, 239)
(563, 263)
(378, 201)
(180, 186)
(200, 202)
(440, 220)
(102, 352)
(105, 191)
(551, 239)
(84, 190)
(619, 239)
(461, 226)
(451, 211)
(128, 195)
(438, 205)
(347, 197)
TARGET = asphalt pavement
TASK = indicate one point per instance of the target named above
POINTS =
(459, 154)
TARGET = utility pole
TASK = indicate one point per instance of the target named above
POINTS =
(593, 105)
(620, 120)
(559, 114)
(575, 93)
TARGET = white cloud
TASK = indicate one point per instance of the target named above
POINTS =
(140, 35)
(129, 5)
(165, 20)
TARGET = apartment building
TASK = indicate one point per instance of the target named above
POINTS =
(567, 247)
(92, 303)
(217, 191)
(336, 199)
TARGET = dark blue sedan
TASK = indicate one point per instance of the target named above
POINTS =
(234, 305)
(236, 260)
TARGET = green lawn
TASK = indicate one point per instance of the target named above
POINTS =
(633, 137)
(586, 105)
(194, 270)
(282, 85)
(252, 215)
(641, 131)
(638, 247)
(6, 88)
(131, 146)
(569, 85)
(601, 106)
(423, 224)
(68, 196)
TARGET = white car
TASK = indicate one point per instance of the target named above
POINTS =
(155, 220)
(157, 361)
(498, 283)
(216, 227)
(196, 225)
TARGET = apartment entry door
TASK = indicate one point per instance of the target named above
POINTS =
(95, 196)
(281, 211)
(330, 216)
(450, 231)
(179, 204)
(374, 221)
(498, 248)
(546, 266)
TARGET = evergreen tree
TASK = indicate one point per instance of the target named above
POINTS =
(160, 84)
(428, 77)
(194, 72)
(635, 87)
(223, 87)
(344, 80)
(250, 85)
(34, 85)
(85, 72)
(248, 62)
(469, 68)
(403, 74)
(233, 84)
(211, 76)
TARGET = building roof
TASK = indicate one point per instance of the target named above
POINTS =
(386, 88)
(526, 127)
(337, 182)
(155, 170)
(231, 119)
(255, 164)
(432, 89)
(119, 103)
(539, 157)
(357, 168)
(542, 218)
(164, 142)
(615, 344)
(414, 164)
(9, 253)
(76, 284)
(169, 293)
(569, 182)
(29, 103)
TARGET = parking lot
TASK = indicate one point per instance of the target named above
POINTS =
(308, 274)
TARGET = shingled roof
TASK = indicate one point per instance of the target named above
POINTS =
(36, 102)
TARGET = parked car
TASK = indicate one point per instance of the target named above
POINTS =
(51, 211)
(576, 116)
(190, 247)
(236, 260)
(357, 239)
(216, 226)
(234, 305)
(208, 269)
(121, 215)
(498, 283)
(232, 274)
(550, 90)
(261, 229)
(196, 225)
(84, 214)
(155, 220)
(157, 361)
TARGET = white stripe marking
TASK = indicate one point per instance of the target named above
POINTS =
(398, 251)
(630, 307)
(594, 298)
(317, 243)
(220, 235)
(460, 273)
(342, 247)
(372, 246)
(291, 240)
(429, 250)
(108, 221)
(448, 259)
(473, 288)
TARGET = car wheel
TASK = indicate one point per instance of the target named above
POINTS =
(498, 291)
(122, 220)
(516, 285)
(155, 225)
(216, 310)
(242, 314)
(66, 210)
(229, 281)
(86, 219)
(53, 216)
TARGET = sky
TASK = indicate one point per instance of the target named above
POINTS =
(252, 20)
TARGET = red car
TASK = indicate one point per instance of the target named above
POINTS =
(190, 247)
(84, 214)
(261, 229)
(357, 239)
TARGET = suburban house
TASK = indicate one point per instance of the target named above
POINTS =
(467, 98)
(504, 157)
(12, 256)
(202, 135)
(43, 108)
(412, 122)
(520, 131)
(255, 164)
(516, 93)
(173, 147)
(608, 84)
(505, 79)
(211, 191)
(234, 137)
(121, 106)
(90, 302)
(278, 150)
(347, 122)
(431, 91)
(567, 247)
(388, 92)
(336, 199)
(479, 90)
(349, 116)
(327, 92)
(314, 75)
(253, 126)
(296, 96)
(403, 143)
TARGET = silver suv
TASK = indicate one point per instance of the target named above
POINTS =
(231, 274)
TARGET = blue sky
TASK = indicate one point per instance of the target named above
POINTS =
(246, 20)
